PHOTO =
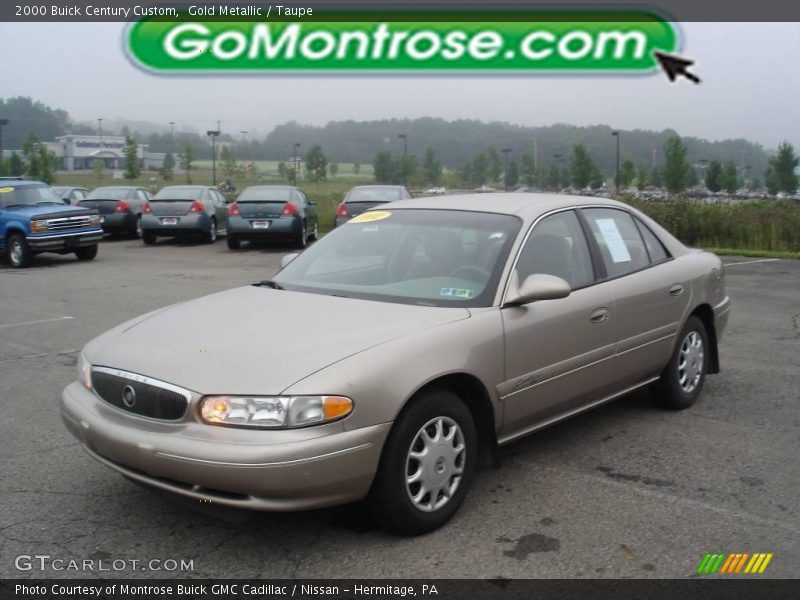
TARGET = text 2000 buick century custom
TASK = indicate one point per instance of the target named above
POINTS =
(394, 355)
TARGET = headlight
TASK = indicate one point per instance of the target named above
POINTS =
(39, 226)
(94, 220)
(84, 372)
(273, 411)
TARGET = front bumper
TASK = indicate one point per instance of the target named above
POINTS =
(263, 470)
(191, 224)
(279, 228)
(55, 242)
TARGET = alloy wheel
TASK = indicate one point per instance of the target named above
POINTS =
(690, 362)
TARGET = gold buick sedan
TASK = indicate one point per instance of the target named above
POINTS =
(389, 360)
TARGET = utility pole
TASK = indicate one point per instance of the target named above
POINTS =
(295, 162)
(213, 133)
(404, 137)
(172, 136)
(617, 135)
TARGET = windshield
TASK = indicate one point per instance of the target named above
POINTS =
(28, 195)
(265, 194)
(109, 193)
(178, 192)
(374, 194)
(428, 257)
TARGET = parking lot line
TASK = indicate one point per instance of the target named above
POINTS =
(36, 322)
(751, 262)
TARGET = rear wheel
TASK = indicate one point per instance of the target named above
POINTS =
(301, 239)
(87, 252)
(148, 238)
(427, 466)
(18, 252)
(315, 232)
(211, 234)
(138, 230)
(682, 381)
(234, 243)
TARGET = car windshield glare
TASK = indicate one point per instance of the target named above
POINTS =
(265, 194)
(409, 256)
(29, 195)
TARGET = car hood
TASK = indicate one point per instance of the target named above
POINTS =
(257, 340)
(51, 210)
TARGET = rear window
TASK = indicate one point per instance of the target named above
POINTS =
(265, 194)
(367, 194)
(178, 192)
(110, 193)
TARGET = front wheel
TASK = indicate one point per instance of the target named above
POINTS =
(137, 232)
(302, 238)
(148, 238)
(18, 252)
(86, 253)
(211, 235)
(427, 466)
(682, 381)
(234, 243)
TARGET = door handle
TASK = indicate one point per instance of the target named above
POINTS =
(599, 316)
(676, 290)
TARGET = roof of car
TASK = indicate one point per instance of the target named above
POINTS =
(511, 203)
(19, 182)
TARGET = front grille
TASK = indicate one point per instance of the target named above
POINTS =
(68, 223)
(150, 398)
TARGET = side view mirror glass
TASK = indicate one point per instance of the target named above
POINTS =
(536, 287)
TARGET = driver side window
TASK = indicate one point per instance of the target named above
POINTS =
(557, 247)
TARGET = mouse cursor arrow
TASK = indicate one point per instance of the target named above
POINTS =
(675, 65)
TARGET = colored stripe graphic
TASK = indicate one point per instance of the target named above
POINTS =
(733, 563)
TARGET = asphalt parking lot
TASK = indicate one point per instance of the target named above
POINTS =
(623, 491)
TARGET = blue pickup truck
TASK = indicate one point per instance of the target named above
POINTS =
(34, 219)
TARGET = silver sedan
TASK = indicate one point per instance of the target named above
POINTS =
(391, 359)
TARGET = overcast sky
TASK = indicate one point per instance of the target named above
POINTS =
(750, 89)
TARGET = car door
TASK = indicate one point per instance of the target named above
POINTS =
(141, 198)
(558, 353)
(220, 209)
(651, 292)
(309, 209)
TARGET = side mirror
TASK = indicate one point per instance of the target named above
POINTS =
(536, 287)
(288, 258)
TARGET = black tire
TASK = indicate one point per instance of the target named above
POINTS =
(390, 499)
(211, 235)
(234, 243)
(18, 253)
(148, 238)
(314, 232)
(673, 390)
(86, 253)
(301, 239)
(138, 231)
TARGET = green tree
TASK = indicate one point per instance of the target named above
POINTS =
(642, 177)
(675, 172)
(383, 167)
(512, 176)
(713, 176)
(784, 165)
(333, 169)
(755, 183)
(655, 177)
(528, 169)
(494, 166)
(98, 168)
(228, 162)
(16, 167)
(431, 167)
(282, 170)
(316, 164)
(356, 168)
(582, 168)
(168, 166)
(40, 163)
(729, 179)
(131, 152)
(186, 158)
(770, 181)
(627, 173)
(553, 178)
(596, 180)
(3, 167)
(479, 169)
(405, 169)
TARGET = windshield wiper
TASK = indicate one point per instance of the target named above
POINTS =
(48, 202)
(270, 284)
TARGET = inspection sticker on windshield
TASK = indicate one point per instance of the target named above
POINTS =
(368, 217)
(5, 190)
(614, 242)
(456, 293)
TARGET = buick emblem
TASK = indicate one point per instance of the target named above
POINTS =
(128, 396)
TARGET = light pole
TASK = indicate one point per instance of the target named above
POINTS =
(213, 133)
(616, 173)
(3, 122)
(100, 133)
(505, 152)
(295, 162)
(172, 136)
(244, 142)
(404, 137)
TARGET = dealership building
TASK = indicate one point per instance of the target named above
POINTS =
(79, 152)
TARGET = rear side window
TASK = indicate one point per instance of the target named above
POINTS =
(654, 246)
(557, 247)
(620, 243)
